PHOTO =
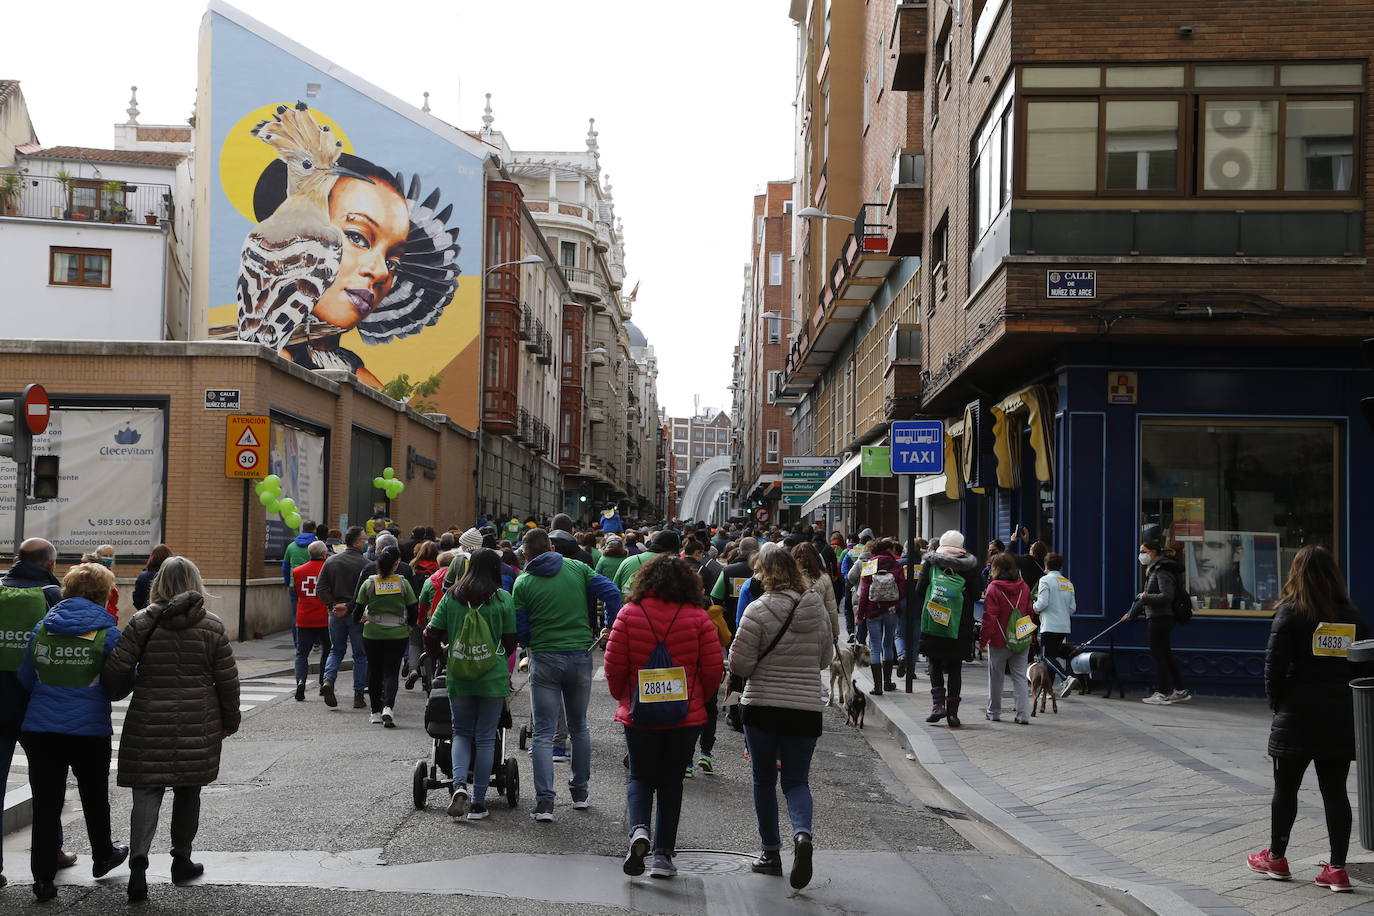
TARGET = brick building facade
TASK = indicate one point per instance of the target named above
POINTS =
(1145, 276)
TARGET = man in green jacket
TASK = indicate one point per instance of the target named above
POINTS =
(665, 542)
(554, 598)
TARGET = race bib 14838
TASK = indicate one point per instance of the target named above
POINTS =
(1333, 639)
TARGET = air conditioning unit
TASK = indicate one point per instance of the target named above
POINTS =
(904, 344)
(1244, 135)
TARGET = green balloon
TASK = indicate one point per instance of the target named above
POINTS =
(379, 483)
(397, 489)
(288, 503)
(293, 520)
(389, 473)
(273, 507)
(273, 481)
(265, 498)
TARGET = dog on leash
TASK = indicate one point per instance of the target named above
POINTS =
(1092, 668)
(1042, 686)
(854, 709)
(848, 658)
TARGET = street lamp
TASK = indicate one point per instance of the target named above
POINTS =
(818, 213)
(778, 316)
(527, 259)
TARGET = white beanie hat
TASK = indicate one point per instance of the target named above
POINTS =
(470, 539)
(952, 538)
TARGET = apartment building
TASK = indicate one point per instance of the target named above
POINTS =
(763, 431)
(697, 444)
(571, 201)
(1146, 279)
(91, 245)
(853, 364)
(643, 440)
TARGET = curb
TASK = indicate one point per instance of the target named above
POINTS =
(1128, 896)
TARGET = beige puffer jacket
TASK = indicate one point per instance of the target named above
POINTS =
(789, 676)
(824, 587)
(186, 694)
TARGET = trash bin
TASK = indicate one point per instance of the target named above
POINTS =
(1363, 690)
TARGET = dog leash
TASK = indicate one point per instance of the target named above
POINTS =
(1084, 645)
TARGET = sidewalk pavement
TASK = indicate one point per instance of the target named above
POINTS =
(1160, 802)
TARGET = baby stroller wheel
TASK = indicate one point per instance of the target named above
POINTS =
(419, 785)
(512, 787)
(526, 733)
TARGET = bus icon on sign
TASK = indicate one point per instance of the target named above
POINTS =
(918, 447)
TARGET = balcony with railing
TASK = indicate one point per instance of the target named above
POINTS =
(585, 282)
(536, 334)
(905, 214)
(544, 355)
(86, 200)
(526, 321)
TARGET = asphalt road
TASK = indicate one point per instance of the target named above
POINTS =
(313, 813)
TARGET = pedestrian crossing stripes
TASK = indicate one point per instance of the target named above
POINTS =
(252, 694)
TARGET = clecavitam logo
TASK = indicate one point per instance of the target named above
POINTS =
(126, 438)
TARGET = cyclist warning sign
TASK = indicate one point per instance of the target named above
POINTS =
(245, 446)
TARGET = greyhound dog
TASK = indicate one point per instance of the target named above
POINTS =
(1042, 686)
(848, 658)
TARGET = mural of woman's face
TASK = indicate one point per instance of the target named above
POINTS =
(374, 221)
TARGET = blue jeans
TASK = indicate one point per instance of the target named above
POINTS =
(475, 720)
(766, 749)
(659, 758)
(343, 633)
(561, 678)
(306, 640)
(882, 637)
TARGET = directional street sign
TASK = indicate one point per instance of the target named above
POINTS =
(918, 447)
(802, 476)
(245, 446)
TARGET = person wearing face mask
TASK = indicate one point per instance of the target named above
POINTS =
(1163, 581)
(105, 556)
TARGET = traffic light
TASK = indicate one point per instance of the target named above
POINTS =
(45, 476)
(17, 443)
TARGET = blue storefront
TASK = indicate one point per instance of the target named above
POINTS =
(1241, 455)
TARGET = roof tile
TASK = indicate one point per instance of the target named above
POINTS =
(121, 156)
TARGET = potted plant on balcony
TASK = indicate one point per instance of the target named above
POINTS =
(11, 187)
(114, 192)
(65, 179)
(150, 218)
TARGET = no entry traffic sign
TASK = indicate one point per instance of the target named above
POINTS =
(245, 446)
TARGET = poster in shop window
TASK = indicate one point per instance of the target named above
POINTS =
(297, 457)
(1234, 570)
(1190, 518)
(111, 485)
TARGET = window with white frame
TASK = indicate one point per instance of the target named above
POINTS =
(774, 376)
(774, 330)
(775, 268)
(774, 437)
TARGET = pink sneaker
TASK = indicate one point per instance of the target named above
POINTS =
(1271, 867)
(1334, 879)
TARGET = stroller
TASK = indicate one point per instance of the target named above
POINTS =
(438, 773)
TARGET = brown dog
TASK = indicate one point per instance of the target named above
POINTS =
(1042, 686)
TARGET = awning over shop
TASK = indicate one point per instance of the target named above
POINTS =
(1034, 405)
(822, 495)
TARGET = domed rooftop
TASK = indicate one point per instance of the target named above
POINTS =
(637, 338)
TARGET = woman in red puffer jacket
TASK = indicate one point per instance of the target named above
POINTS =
(662, 701)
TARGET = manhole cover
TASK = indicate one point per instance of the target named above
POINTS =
(1362, 872)
(706, 862)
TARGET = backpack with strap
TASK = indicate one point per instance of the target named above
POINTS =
(20, 611)
(1020, 630)
(660, 698)
(944, 608)
(1183, 602)
(473, 651)
(882, 587)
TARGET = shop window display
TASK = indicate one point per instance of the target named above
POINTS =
(1238, 498)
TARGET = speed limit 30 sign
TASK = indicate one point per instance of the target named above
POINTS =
(245, 446)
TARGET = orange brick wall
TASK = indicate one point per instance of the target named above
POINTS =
(202, 506)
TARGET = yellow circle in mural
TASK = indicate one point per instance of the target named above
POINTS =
(244, 157)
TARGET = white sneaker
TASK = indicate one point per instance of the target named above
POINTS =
(1157, 699)
(458, 806)
(374, 718)
(387, 719)
(1180, 696)
(1068, 684)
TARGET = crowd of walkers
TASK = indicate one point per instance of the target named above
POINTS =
(689, 617)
